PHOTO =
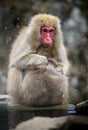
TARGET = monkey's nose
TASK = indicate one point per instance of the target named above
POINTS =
(48, 37)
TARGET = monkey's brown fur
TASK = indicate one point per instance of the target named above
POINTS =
(34, 76)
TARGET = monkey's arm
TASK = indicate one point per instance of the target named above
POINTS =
(23, 53)
(29, 60)
(63, 59)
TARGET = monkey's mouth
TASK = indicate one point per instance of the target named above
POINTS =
(48, 41)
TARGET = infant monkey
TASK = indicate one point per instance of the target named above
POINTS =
(38, 64)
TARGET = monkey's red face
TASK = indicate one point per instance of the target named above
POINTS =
(47, 34)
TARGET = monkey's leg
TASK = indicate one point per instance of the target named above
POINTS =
(14, 84)
(58, 85)
(33, 90)
(44, 87)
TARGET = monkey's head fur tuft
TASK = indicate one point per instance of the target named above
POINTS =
(45, 20)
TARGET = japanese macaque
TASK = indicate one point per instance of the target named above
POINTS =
(38, 64)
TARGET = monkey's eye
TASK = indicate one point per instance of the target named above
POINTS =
(45, 30)
(51, 30)
(48, 30)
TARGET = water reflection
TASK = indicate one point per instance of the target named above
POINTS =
(4, 124)
(11, 117)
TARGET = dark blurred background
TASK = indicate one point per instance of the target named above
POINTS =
(74, 21)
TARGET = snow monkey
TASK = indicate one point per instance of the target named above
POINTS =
(38, 64)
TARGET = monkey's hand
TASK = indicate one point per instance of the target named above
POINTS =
(53, 61)
(60, 67)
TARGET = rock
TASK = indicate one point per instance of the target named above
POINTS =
(60, 123)
(82, 108)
